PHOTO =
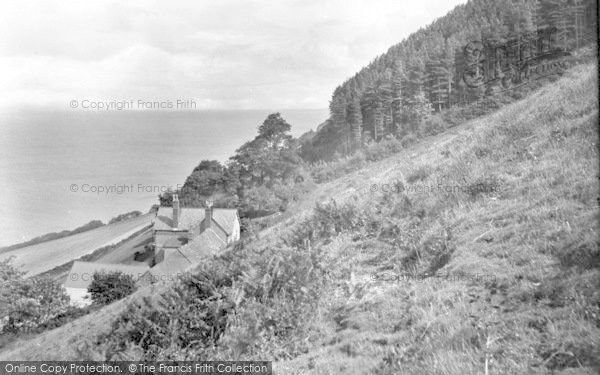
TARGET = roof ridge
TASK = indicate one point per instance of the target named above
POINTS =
(214, 233)
(182, 254)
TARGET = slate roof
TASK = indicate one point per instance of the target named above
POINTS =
(175, 242)
(225, 218)
(81, 273)
(189, 217)
(169, 269)
(188, 256)
(206, 244)
(192, 217)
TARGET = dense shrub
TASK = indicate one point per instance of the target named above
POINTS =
(255, 302)
(408, 140)
(28, 303)
(583, 254)
(280, 288)
(70, 314)
(455, 116)
(434, 125)
(288, 193)
(188, 318)
(383, 149)
(419, 174)
(249, 229)
(324, 172)
(261, 201)
(328, 220)
(279, 329)
(488, 185)
(107, 287)
(287, 272)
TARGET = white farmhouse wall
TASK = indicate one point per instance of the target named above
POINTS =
(235, 233)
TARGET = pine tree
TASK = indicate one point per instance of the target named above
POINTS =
(437, 84)
(397, 79)
(378, 121)
(590, 21)
(553, 14)
(386, 98)
(519, 22)
(337, 109)
(355, 121)
(413, 85)
(460, 66)
(419, 112)
(368, 108)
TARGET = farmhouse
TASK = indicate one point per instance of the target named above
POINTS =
(183, 238)
(172, 263)
(82, 273)
(175, 226)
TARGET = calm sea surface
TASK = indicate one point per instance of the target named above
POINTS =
(131, 155)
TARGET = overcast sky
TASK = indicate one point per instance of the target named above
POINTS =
(223, 54)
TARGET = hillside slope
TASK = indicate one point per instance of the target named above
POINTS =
(501, 277)
(519, 283)
(42, 257)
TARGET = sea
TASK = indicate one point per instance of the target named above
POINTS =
(62, 169)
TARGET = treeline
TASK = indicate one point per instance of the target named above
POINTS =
(396, 94)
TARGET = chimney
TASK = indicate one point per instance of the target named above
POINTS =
(208, 214)
(176, 211)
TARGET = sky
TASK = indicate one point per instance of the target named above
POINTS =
(225, 54)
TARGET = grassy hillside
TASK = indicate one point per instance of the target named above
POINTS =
(500, 275)
(534, 244)
(42, 257)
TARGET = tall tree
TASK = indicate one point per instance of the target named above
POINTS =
(437, 84)
(271, 156)
(355, 121)
(397, 79)
(339, 120)
(274, 130)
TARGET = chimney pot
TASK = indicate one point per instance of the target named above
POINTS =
(176, 211)
(208, 214)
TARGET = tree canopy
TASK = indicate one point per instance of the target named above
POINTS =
(250, 179)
